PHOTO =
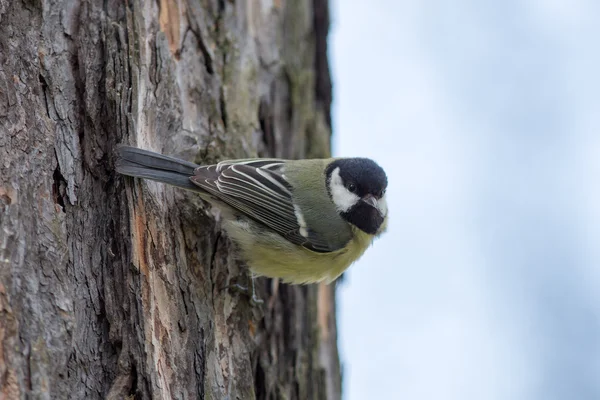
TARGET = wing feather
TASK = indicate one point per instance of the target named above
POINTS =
(258, 189)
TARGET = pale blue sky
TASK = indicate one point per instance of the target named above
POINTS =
(486, 117)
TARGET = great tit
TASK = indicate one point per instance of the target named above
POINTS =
(303, 221)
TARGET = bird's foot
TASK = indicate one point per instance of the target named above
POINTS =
(248, 291)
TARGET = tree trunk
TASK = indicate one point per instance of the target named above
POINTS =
(112, 287)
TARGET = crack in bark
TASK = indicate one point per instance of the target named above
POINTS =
(265, 120)
(59, 185)
(212, 265)
(185, 306)
(200, 364)
(223, 107)
(45, 93)
(323, 86)
(214, 253)
(208, 61)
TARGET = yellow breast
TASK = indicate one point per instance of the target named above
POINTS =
(268, 255)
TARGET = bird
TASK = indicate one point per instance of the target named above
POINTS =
(302, 221)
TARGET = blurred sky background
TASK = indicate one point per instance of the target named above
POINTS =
(486, 117)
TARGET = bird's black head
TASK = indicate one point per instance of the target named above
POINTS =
(357, 188)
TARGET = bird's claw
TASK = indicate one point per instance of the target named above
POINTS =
(250, 292)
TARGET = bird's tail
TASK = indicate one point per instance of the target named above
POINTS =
(150, 165)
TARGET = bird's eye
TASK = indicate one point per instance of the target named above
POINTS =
(382, 193)
(352, 187)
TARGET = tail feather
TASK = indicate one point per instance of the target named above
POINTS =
(146, 164)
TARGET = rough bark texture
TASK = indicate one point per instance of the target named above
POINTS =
(111, 287)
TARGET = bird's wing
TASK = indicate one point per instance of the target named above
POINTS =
(258, 189)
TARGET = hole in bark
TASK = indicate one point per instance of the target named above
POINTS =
(58, 188)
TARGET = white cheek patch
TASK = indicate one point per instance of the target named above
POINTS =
(342, 197)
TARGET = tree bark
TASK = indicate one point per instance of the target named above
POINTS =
(112, 287)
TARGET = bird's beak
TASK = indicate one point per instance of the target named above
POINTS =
(370, 200)
(373, 202)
